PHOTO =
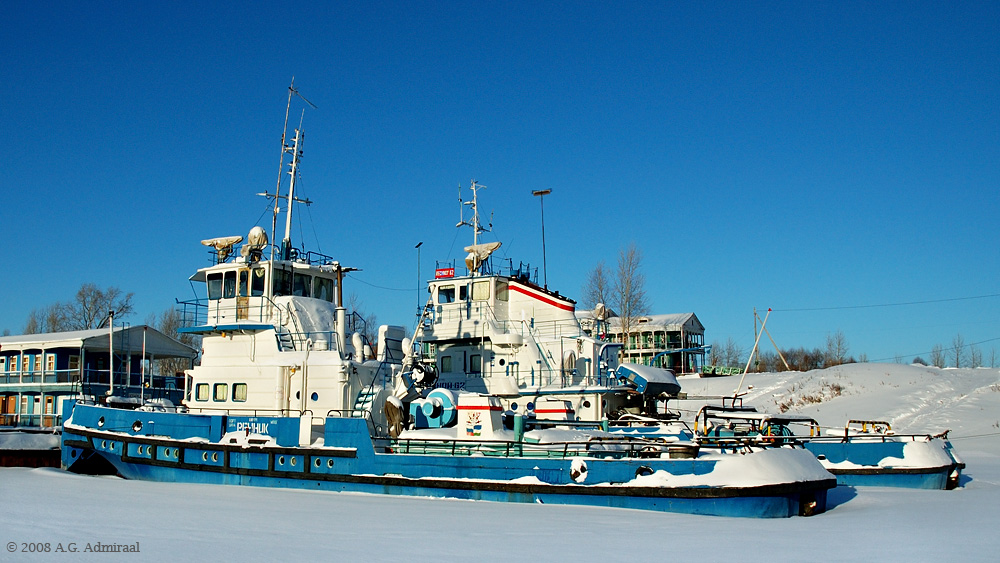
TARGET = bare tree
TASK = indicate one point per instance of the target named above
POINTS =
(836, 349)
(629, 290)
(958, 350)
(937, 356)
(87, 310)
(168, 323)
(363, 323)
(993, 357)
(597, 288)
(975, 356)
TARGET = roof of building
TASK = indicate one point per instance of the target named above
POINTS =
(157, 344)
(673, 322)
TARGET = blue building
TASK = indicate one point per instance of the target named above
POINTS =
(37, 371)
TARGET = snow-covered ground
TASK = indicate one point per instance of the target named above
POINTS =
(179, 521)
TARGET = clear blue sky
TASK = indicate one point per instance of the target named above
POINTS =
(794, 155)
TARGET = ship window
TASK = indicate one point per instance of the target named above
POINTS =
(481, 290)
(215, 286)
(201, 392)
(501, 290)
(282, 282)
(221, 390)
(229, 285)
(463, 293)
(301, 285)
(242, 286)
(446, 294)
(323, 289)
(239, 392)
(257, 282)
(475, 363)
(445, 364)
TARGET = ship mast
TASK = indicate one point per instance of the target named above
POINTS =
(296, 152)
(477, 227)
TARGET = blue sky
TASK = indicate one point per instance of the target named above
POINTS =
(819, 155)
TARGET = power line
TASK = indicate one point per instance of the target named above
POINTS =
(971, 344)
(806, 309)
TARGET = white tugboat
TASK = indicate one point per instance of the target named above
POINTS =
(288, 395)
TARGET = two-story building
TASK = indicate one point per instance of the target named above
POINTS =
(37, 371)
(674, 341)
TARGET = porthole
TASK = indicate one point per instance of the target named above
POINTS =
(316, 462)
(281, 460)
(100, 422)
(177, 454)
(586, 404)
(531, 406)
(513, 406)
(204, 456)
(215, 456)
(501, 362)
(104, 444)
(293, 461)
(138, 450)
(136, 426)
(643, 471)
(298, 394)
(329, 463)
(315, 396)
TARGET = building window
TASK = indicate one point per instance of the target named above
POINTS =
(201, 392)
(3, 363)
(50, 362)
(239, 392)
(25, 363)
(38, 363)
(221, 390)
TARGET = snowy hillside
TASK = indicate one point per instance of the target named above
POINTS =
(913, 398)
(180, 521)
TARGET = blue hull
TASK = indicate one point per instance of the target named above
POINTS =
(863, 457)
(356, 466)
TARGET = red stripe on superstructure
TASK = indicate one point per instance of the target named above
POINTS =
(478, 408)
(542, 298)
(551, 411)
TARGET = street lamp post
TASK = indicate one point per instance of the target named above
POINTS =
(541, 202)
(418, 276)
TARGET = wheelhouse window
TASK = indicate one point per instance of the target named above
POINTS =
(244, 281)
(463, 293)
(502, 290)
(323, 288)
(229, 285)
(201, 392)
(282, 282)
(446, 294)
(215, 286)
(445, 364)
(475, 363)
(301, 285)
(239, 392)
(481, 290)
(221, 391)
(257, 282)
